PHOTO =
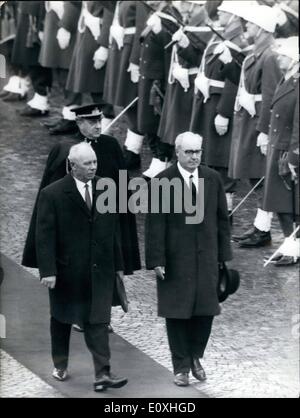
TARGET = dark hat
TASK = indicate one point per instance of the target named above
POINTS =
(229, 281)
(89, 111)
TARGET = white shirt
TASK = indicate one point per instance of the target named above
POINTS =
(81, 188)
(187, 174)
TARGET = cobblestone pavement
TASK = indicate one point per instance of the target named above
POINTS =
(31, 387)
(254, 347)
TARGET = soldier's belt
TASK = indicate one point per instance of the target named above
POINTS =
(130, 31)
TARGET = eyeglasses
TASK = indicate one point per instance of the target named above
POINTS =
(190, 152)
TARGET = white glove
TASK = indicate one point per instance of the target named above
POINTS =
(63, 37)
(180, 37)
(154, 22)
(224, 53)
(41, 36)
(221, 124)
(100, 57)
(182, 76)
(262, 142)
(134, 71)
(202, 84)
(117, 32)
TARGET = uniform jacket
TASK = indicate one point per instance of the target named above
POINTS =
(30, 22)
(51, 55)
(83, 77)
(79, 247)
(262, 75)
(190, 253)
(283, 114)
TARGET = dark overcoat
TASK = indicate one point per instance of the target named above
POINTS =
(262, 75)
(190, 253)
(118, 87)
(110, 160)
(221, 101)
(277, 197)
(51, 55)
(31, 16)
(83, 77)
(81, 248)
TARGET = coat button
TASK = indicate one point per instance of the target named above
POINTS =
(275, 130)
(95, 266)
(145, 62)
(277, 116)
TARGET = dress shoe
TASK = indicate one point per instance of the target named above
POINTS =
(197, 370)
(60, 374)
(77, 328)
(274, 260)
(257, 239)
(109, 380)
(4, 93)
(14, 97)
(30, 111)
(286, 260)
(181, 379)
(64, 127)
(245, 235)
(132, 160)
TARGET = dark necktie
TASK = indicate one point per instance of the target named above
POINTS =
(194, 190)
(88, 197)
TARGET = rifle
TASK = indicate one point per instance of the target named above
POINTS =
(236, 60)
(194, 41)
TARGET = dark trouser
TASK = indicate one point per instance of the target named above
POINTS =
(187, 340)
(41, 79)
(96, 338)
(229, 184)
(286, 223)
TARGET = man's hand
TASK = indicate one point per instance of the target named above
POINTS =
(293, 171)
(134, 71)
(224, 53)
(180, 37)
(100, 57)
(160, 272)
(63, 37)
(49, 281)
(41, 35)
(154, 22)
(262, 142)
(221, 124)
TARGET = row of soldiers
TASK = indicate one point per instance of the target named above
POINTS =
(227, 70)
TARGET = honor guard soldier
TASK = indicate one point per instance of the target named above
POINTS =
(259, 77)
(214, 100)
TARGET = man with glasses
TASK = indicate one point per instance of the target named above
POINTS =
(185, 256)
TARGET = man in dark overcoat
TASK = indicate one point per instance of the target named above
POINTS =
(110, 161)
(185, 258)
(79, 255)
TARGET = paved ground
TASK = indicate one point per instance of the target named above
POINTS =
(254, 348)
